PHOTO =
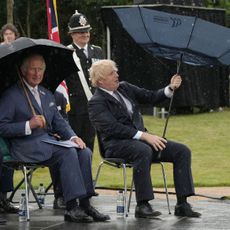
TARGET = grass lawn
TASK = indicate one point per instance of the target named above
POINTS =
(207, 135)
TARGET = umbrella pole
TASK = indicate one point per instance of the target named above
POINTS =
(27, 96)
(25, 92)
(170, 108)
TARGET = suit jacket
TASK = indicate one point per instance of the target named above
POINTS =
(15, 111)
(111, 119)
(77, 97)
(61, 103)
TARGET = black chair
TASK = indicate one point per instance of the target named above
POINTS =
(121, 163)
(27, 171)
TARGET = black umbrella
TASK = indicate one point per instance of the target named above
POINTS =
(58, 58)
(172, 36)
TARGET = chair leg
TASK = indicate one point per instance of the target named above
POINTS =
(130, 194)
(166, 187)
(30, 186)
(18, 186)
(48, 187)
(125, 190)
(26, 192)
(97, 174)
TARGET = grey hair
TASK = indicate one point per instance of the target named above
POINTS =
(25, 62)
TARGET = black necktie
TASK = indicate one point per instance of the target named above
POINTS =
(120, 99)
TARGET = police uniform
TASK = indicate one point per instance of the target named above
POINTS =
(78, 115)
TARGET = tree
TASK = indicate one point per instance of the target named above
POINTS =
(10, 6)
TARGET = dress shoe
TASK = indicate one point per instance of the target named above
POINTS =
(59, 203)
(97, 216)
(7, 207)
(77, 215)
(95, 194)
(2, 221)
(145, 211)
(185, 209)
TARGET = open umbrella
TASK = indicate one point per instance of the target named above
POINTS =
(58, 58)
(172, 36)
(183, 38)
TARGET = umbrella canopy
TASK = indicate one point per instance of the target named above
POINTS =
(171, 36)
(58, 58)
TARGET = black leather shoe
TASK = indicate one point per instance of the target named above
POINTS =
(97, 216)
(185, 209)
(145, 211)
(59, 203)
(2, 221)
(77, 215)
(7, 207)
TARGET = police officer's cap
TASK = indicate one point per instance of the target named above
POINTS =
(78, 23)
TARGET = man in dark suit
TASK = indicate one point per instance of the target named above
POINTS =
(9, 33)
(79, 30)
(2, 221)
(28, 130)
(6, 181)
(114, 111)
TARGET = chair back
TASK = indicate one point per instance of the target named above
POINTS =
(4, 149)
(100, 145)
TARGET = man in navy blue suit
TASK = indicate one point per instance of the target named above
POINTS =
(114, 111)
(2, 221)
(6, 182)
(27, 131)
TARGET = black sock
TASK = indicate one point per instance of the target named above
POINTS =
(3, 195)
(71, 204)
(181, 199)
(84, 203)
(142, 202)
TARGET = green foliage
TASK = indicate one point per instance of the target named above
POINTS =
(37, 27)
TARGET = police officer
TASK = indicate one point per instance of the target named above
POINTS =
(79, 30)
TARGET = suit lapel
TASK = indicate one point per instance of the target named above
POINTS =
(114, 100)
(108, 96)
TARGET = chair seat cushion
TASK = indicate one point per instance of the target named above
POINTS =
(4, 149)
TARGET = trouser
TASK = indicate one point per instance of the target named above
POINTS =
(143, 155)
(71, 171)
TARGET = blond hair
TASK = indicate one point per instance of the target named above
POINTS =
(100, 69)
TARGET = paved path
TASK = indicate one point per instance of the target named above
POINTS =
(215, 215)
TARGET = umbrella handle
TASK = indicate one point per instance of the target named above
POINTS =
(25, 91)
(170, 105)
(179, 63)
(27, 96)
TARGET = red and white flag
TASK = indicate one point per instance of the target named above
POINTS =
(53, 34)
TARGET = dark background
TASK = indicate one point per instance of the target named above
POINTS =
(203, 88)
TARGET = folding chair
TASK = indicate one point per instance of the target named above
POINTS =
(121, 163)
(27, 170)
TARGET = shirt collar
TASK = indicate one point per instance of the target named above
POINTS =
(29, 86)
(85, 47)
(107, 91)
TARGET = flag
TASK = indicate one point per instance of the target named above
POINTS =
(53, 34)
(62, 88)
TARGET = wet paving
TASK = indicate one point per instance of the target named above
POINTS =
(215, 215)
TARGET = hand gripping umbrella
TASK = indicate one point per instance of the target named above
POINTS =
(186, 39)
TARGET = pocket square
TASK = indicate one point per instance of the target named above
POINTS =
(51, 104)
